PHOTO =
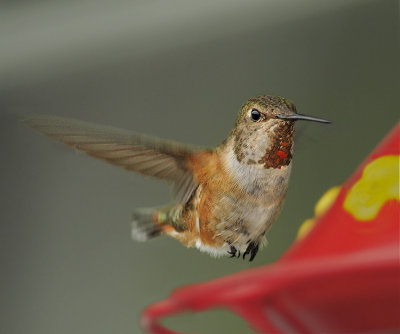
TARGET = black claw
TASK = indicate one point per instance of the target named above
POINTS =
(254, 252)
(232, 251)
(252, 249)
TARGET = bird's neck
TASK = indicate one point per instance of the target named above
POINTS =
(260, 177)
(271, 149)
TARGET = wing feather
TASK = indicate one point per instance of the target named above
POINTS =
(148, 155)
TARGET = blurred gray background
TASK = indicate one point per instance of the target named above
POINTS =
(180, 70)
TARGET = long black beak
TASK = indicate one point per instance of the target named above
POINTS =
(298, 117)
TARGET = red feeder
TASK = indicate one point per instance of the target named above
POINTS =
(341, 276)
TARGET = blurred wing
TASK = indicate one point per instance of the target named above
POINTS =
(140, 153)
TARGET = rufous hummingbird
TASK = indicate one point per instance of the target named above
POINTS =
(226, 197)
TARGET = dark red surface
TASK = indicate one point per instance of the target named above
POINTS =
(343, 277)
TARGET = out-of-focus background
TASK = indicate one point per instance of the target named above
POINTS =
(180, 70)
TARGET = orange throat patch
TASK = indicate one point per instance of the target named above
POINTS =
(280, 152)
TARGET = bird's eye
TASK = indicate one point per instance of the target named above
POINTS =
(255, 115)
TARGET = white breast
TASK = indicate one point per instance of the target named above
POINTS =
(255, 179)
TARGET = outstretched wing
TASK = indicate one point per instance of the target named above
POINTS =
(140, 153)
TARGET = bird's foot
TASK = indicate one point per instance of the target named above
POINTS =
(233, 251)
(251, 249)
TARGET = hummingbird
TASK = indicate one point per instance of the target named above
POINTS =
(226, 198)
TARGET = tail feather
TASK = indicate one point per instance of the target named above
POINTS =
(144, 226)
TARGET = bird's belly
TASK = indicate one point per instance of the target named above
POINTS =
(238, 213)
(239, 221)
